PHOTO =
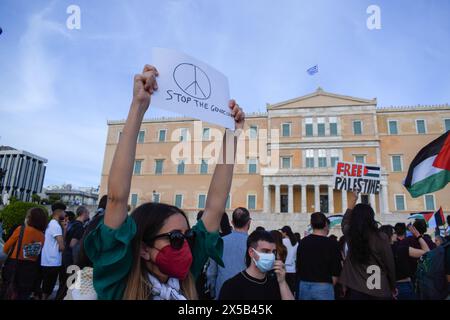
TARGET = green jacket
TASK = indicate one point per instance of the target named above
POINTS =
(110, 252)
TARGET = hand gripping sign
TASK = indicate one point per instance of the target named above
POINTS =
(191, 88)
(357, 177)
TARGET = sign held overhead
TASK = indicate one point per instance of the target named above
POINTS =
(192, 88)
(357, 177)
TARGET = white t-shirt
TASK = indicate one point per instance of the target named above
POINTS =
(51, 256)
(291, 257)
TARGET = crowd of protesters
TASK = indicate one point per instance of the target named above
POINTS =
(154, 253)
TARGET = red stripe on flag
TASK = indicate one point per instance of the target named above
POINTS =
(428, 215)
(442, 160)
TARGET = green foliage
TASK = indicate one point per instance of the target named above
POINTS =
(54, 198)
(15, 213)
(35, 198)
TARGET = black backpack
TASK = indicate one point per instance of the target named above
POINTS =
(431, 278)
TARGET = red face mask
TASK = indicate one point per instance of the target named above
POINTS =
(175, 263)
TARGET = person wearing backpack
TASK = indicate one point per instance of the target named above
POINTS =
(433, 274)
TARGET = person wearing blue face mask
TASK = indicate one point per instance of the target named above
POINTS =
(264, 278)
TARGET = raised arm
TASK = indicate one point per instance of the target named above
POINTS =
(424, 248)
(223, 174)
(348, 212)
(119, 181)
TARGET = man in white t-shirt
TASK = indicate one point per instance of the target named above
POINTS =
(51, 256)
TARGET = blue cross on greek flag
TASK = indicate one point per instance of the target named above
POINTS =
(313, 70)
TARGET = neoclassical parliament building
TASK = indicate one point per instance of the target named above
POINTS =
(308, 135)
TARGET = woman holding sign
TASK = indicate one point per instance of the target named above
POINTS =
(368, 272)
(154, 254)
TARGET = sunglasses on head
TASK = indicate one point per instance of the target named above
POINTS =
(176, 238)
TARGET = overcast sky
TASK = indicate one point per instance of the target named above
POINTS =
(58, 87)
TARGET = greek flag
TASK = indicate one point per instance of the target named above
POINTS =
(313, 70)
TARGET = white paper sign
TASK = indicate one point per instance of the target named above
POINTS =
(191, 88)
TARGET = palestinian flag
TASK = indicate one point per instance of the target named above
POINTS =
(335, 220)
(433, 220)
(430, 169)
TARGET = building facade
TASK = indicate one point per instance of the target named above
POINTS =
(24, 173)
(74, 197)
(306, 136)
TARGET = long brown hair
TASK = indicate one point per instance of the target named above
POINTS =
(281, 248)
(150, 218)
(37, 218)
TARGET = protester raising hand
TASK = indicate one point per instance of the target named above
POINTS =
(353, 199)
(144, 86)
(414, 231)
(154, 253)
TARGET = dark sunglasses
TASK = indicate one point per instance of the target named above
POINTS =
(176, 238)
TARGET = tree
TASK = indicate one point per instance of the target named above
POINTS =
(35, 198)
(54, 198)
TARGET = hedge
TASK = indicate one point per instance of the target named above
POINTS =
(15, 213)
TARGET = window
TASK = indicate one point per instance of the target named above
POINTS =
(206, 133)
(253, 132)
(321, 127)
(429, 202)
(156, 197)
(309, 158)
(421, 127)
(360, 158)
(201, 201)
(162, 135)
(286, 129)
(141, 136)
(322, 158)
(137, 166)
(251, 165)
(400, 202)
(180, 168)
(357, 127)
(397, 163)
(285, 162)
(183, 134)
(228, 204)
(333, 126)
(159, 166)
(251, 202)
(134, 199)
(309, 127)
(204, 167)
(392, 124)
(334, 157)
(447, 124)
(178, 200)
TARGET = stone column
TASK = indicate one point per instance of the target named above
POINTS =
(304, 209)
(266, 199)
(277, 198)
(290, 198)
(344, 200)
(372, 202)
(316, 197)
(384, 197)
(330, 200)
